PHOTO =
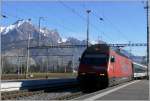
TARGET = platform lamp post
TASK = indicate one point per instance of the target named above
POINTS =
(101, 19)
(88, 11)
(40, 18)
(4, 16)
(1, 60)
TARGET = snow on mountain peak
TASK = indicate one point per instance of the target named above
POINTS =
(17, 24)
(1, 28)
(93, 42)
(42, 31)
(63, 40)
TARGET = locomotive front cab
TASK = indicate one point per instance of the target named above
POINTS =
(92, 70)
(95, 64)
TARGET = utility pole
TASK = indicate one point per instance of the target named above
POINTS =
(47, 64)
(39, 29)
(28, 57)
(148, 38)
(88, 11)
(99, 39)
(18, 62)
(28, 53)
(73, 63)
(130, 48)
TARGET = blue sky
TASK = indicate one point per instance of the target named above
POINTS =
(123, 21)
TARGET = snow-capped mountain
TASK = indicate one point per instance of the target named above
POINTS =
(16, 36)
(20, 31)
(17, 24)
(14, 40)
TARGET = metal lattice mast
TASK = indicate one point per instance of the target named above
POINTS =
(148, 38)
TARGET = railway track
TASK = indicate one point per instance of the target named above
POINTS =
(18, 94)
(46, 94)
(70, 96)
(43, 92)
(62, 92)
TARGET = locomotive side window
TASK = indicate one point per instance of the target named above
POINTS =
(79, 59)
(112, 58)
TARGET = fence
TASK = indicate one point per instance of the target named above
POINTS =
(37, 63)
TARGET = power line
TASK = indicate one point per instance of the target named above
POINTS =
(81, 17)
(94, 26)
(72, 10)
(106, 19)
(61, 25)
(11, 15)
(117, 29)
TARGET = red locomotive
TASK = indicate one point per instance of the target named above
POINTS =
(101, 66)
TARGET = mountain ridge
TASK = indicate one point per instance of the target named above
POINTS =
(18, 33)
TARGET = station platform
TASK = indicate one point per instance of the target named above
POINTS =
(134, 90)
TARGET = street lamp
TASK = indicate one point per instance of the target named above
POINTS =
(88, 11)
(4, 16)
(1, 59)
(28, 53)
(101, 19)
(40, 18)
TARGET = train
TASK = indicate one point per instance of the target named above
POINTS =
(139, 70)
(102, 66)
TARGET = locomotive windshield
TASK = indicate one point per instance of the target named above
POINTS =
(94, 59)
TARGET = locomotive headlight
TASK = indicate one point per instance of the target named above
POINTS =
(97, 49)
(102, 74)
(83, 73)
